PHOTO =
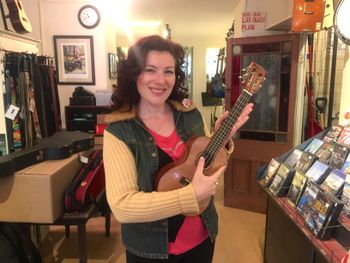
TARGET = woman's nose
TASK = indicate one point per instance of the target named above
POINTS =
(159, 77)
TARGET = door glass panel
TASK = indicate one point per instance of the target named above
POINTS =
(264, 115)
(269, 120)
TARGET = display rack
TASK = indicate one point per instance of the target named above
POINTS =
(287, 237)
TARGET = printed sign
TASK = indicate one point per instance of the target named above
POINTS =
(253, 23)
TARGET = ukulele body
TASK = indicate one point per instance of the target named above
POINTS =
(180, 173)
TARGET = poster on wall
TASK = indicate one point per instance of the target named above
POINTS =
(253, 23)
(74, 56)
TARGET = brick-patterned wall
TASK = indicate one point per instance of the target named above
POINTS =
(323, 52)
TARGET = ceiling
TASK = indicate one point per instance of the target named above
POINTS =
(187, 18)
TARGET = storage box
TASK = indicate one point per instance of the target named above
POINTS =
(103, 97)
(36, 193)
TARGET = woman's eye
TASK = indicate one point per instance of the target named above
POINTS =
(149, 70)
(169, 72)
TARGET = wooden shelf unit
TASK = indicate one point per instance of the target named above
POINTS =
(83, 117)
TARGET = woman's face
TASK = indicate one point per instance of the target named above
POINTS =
(157, 80)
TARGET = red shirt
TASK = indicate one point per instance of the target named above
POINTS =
(192, 231)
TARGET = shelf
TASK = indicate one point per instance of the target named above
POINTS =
(345, 221)
(84, 117)
(18, 37)
(282, 25)
(331, 249)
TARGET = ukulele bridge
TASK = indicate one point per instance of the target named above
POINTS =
(184, 181)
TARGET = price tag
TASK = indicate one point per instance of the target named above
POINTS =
(12, 112)
(83, 159)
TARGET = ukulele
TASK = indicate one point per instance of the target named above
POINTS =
(18, 17)
(179, 173)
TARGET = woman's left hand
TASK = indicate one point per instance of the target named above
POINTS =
(242, 119)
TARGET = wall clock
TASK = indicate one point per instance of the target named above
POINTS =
(89, 16)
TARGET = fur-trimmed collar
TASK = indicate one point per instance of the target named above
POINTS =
(123, 113)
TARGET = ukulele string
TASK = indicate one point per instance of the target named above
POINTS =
(221, 134)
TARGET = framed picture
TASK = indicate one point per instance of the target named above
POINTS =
(112, 66)
(74, 56)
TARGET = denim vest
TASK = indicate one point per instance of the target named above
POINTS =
(150, 239)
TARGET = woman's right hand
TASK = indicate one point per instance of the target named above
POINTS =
(205, 186)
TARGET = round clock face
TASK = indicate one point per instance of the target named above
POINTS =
(89, 16)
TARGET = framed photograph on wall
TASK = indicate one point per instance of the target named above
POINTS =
(74, 56)
(112, 66)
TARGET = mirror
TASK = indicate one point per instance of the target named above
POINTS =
(188, 68)
(341, 19)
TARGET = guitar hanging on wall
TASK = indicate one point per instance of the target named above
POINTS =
(179, 174)
(307, 15)
(217, 86)
(18, 17)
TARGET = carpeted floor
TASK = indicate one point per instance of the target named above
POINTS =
(240, 239)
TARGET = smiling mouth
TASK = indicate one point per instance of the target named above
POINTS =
(157, 91)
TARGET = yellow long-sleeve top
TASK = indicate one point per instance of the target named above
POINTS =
(127, 202)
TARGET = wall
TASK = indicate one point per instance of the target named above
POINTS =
(324, 43)
(345, 90)
(60, 18)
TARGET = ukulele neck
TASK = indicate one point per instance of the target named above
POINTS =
(220, 136)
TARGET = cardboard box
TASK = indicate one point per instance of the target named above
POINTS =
(103, 97)
(36, 193)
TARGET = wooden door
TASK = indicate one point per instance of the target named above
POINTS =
(269, 131)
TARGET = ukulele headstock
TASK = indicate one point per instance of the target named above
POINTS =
(253, 77)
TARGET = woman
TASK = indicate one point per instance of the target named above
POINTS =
(149, 128)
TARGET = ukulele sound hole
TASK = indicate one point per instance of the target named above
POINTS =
(208, 162)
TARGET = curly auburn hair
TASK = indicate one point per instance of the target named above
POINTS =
(128, 70)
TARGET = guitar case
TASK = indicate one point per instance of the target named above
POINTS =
(59, 146)
(63, 144)
(87, 185)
